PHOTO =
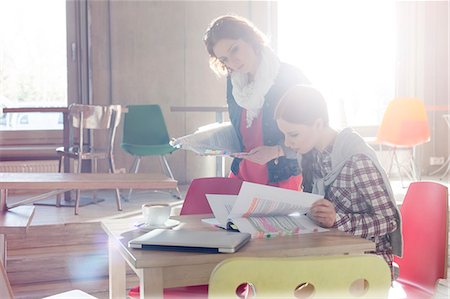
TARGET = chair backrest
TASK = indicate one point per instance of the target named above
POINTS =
(90, 116)
(196, 202)
(144, 125)
(349, 276)
(94, 117)
(116, 117)
(404, 124)
(425, 235)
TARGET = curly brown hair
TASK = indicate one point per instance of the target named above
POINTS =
(231, 27)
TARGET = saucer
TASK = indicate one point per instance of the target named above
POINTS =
(168, 224)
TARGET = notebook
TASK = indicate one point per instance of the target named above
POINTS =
(219, 241)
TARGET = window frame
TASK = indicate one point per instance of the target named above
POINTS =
(41, 144)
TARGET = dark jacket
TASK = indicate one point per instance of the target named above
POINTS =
(288, 76)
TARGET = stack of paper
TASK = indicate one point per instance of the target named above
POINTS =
(264, 211)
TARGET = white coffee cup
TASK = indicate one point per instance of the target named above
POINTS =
(155, 214)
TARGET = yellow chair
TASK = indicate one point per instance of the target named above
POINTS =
(404, 125)
(348, 276)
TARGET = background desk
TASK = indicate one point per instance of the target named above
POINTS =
(63, 110)
(66, 131)
(219, 110)
(161, 269)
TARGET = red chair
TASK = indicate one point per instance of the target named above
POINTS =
(196, 203)
(425, 238)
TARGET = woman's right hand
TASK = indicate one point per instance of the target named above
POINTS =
(262, 154)
(323, 212)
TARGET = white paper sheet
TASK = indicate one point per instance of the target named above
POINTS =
(264, 211)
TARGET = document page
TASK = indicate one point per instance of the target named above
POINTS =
(264, 211)
(267, 227)
(217, 139)
(261, 200)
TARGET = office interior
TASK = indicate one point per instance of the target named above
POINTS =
(152, 52)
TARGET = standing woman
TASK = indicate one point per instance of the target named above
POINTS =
(256, 80)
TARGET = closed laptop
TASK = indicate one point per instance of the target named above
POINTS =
(219, 241)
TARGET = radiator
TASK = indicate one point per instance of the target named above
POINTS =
(29, 166)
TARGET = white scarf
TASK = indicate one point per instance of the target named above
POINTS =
(250, 95)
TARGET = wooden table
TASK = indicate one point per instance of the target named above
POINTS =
(219, 110)
(161, 269)
(15, 221)
(66, 128)
(63, 110)
(82, 181)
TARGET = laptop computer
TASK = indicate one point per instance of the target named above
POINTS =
(219, 241)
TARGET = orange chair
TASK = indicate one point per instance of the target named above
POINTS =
(196, 203)
(425, 230)
(404, 125)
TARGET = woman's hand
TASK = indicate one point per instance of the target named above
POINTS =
(262, 154)
(323, 212)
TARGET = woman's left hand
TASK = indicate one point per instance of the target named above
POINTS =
(323, 212)
(262, 154)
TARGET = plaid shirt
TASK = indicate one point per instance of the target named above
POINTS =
(363, 207)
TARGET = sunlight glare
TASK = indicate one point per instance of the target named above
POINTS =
(347, 49)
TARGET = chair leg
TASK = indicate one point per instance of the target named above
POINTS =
(135, 166)
(164, 160)
(446, 171)
(112, 169)
(134, 169)
(78, 192)
(445, 165)
(413, 175)
(398, 168)
(391, 163)
(58, 196)
(94, 192)
(77, 202)
(118, 200)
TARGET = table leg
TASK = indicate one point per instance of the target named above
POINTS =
(150, 283)
(117, 273)
(3, 197)
(3, 249)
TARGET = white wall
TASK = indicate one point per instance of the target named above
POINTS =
(152, 52)
(157, 55)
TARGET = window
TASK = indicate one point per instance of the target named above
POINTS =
(35, 72)
(347, 49)
(33, 66)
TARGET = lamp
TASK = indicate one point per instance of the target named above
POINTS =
(404, 125)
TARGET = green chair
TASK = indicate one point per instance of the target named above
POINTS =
(145, 134)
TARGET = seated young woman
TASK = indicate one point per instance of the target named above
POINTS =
(339, 165)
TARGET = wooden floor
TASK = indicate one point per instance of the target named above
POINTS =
(63, 251)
